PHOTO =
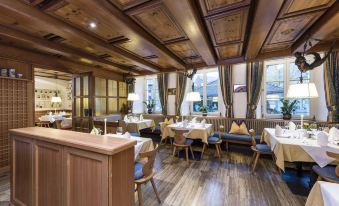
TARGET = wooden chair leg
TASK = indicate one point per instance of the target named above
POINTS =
(226, 146)
(139, 194)
(202, 152)
(253, 158)
(218, 153)
(174, 151)
(155, 190)
(219, 147)
(192, 153)
(255, 161)
(186, 150)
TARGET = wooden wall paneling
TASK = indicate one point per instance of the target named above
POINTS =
(86, 178)
(48, 168)
(210, 7)
(228, 27)
(22, 171)
(262, 22)
(286, 31)
(298, 7)
(122, 178)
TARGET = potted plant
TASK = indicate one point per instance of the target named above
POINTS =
(203, 109)
(150, 104)
(288, 108)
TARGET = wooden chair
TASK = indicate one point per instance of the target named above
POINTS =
(329, 173)
(58, 125)
(217, 141)
(258, 149)
(143, 172)
(43, 124)
(123, 125)
(181, 142)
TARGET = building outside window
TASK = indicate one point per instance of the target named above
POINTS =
(152, 92)
(278, 76)
(206, 82)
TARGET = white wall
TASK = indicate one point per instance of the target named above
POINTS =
(318, 105)
(239, 99)
(138, 106)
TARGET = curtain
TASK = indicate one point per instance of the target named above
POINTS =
(163, 95)
(331, 85)
(254, 76)
(226, 85)
(130, 89)
(180, 92)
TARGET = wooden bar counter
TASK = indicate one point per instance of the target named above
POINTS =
(57, 167)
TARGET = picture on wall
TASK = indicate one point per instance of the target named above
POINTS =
(171, 91)
(238, 88)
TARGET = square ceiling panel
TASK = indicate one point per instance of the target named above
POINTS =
(126, 4)
(297, 7)
(158, 22)
(229, 51)
(228, 27)
(183, 49)
(210, 7)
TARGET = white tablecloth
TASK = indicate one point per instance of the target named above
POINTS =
(196, 131)
(323, 194)
(139, 125)
(295, 149)
(143, 144)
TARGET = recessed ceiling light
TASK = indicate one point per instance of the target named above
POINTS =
(92, 25)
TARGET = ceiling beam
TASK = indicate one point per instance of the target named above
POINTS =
(56, 26)
(188, 18)
(72, 53)
(110, 13)
(265, 14)
(235, 60)
(321, 29)
(52, 63)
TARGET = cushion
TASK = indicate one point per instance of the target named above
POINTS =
(216, 134)
(241, 137)
(168, 122)
(263, 148)
(327, 172)
(138, 170)
(238, 129)
(213, 139)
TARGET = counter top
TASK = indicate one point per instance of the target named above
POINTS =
(100, 144)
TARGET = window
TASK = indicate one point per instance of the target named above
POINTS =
(278, 76)
(206, 82)
(152, 92)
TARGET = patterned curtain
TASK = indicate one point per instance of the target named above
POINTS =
(226, 85)
(180, 92)
(254, 76)
(331, 85)
(163, 95)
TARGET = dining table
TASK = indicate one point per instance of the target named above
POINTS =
(195, 130)
(143, 144)
(134, 126)
(323, 194)
(291, 147)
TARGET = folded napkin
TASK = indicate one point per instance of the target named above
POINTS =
(168, 122)
(127, 135)
(141, 117)
(126, 118)
(322, 139)
(292, 126)
(278, 131)
(194, 120)
(203, 122)
(334, 133)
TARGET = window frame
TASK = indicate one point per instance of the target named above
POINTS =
(154, 94)
(286, 62)
(204, 98)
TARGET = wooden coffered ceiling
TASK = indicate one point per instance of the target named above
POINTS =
(137, 37)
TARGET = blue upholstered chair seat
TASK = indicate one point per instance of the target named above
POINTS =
(263, 148)
(216, 134)
(326, 172)
(188, 142)
(135, 134)
(138, 170)
(213, 139)
(241, 137)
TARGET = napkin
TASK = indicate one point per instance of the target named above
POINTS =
(141, 117)
(127, 135)
(292, 126)
(126, 118)
(278, 131)
(194, 120)
(322, 139)
(203, 122)
(168, 122)
(334, 133)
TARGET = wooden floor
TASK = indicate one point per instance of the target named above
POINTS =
(210, 182)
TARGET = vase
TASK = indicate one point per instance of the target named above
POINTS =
(287, 116)
(149, 111)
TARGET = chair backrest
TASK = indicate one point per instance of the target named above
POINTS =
(179, 137)
(220, 130)
(252, 135)
(147, 169)
(58, 124)
(123, 125)
(336, 157)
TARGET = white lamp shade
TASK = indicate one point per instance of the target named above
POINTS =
(55, 99)
(133, 97)
(193, 97)
(302, 91)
